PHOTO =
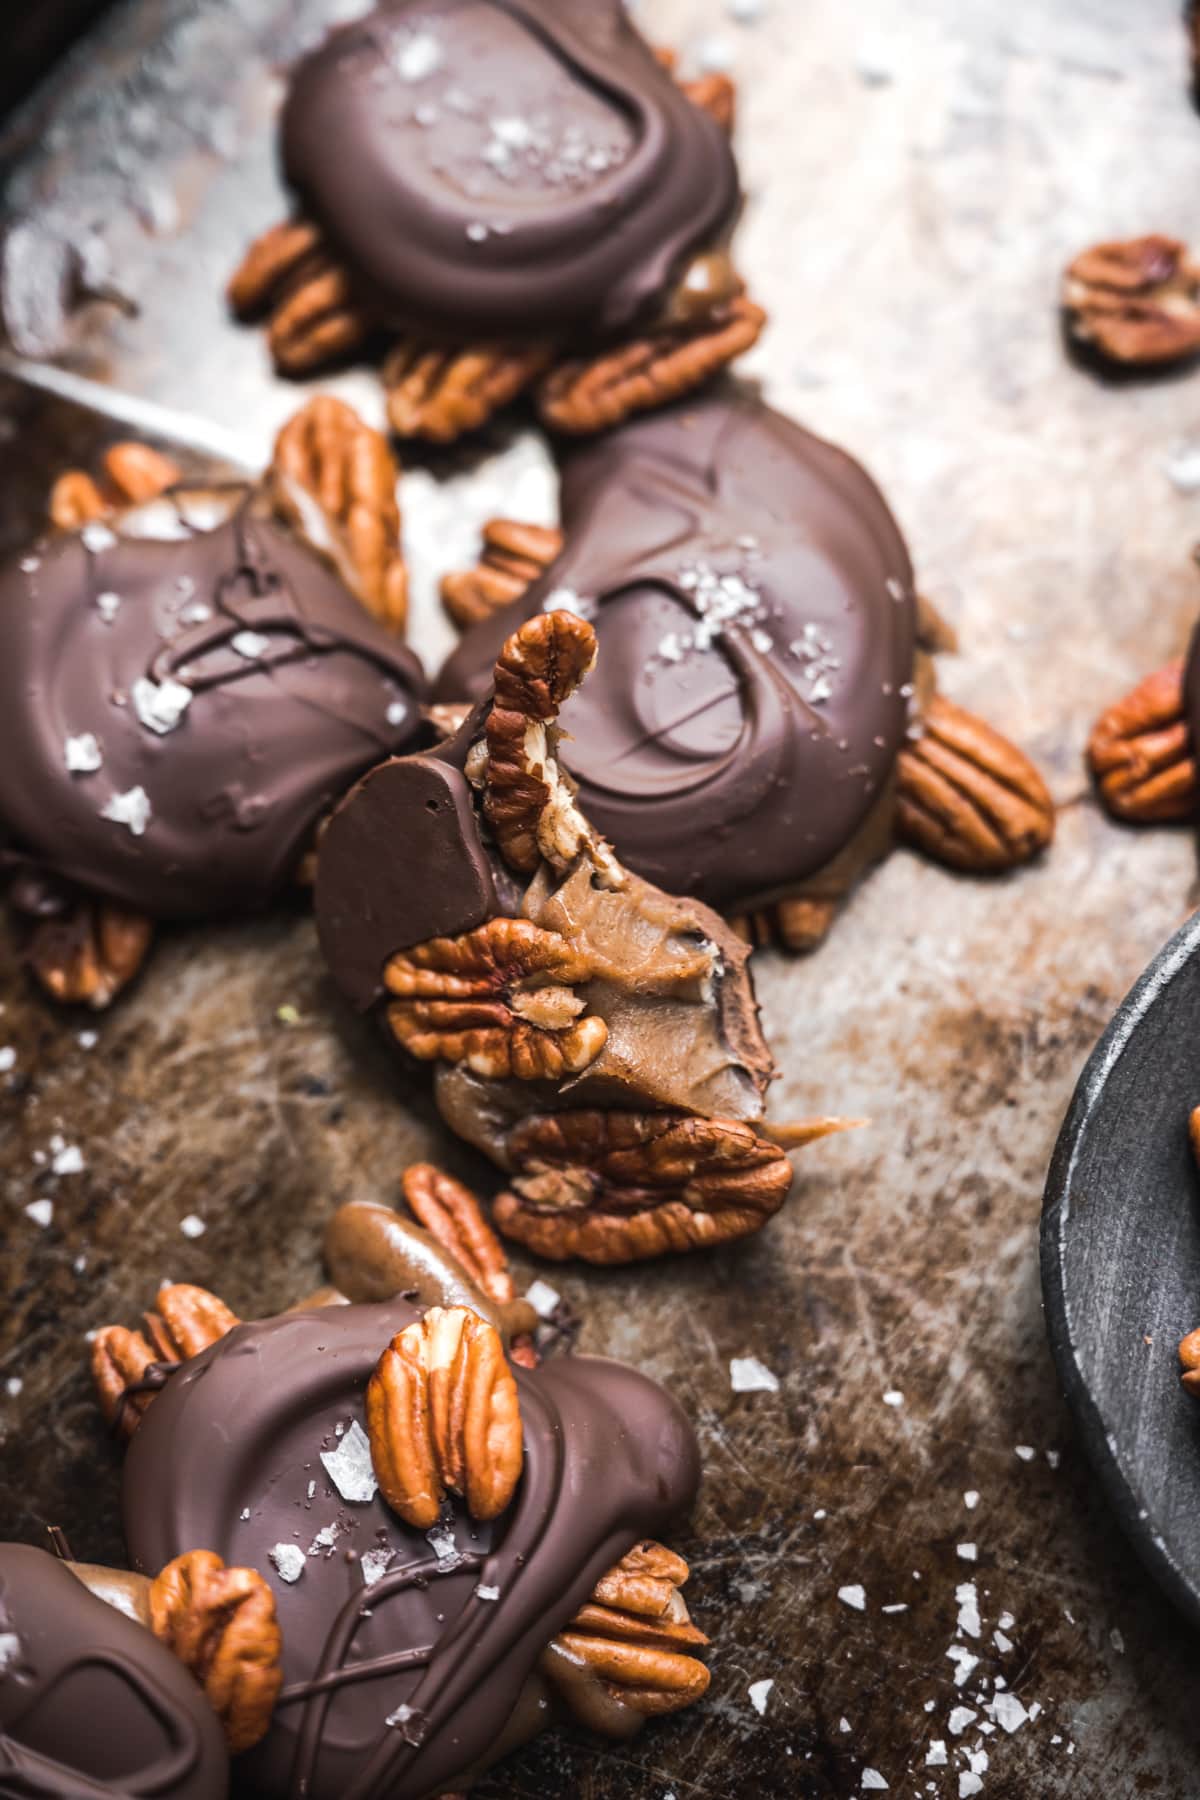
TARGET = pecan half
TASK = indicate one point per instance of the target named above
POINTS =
(513, 556)
(633, 1635)
(443, 1413)
(452, 1214)
(585, 395)
(221, 1624)
(1142, 755)
(1136, 302)
(798, 925)
(1189, 1357)
(439, 393)
(130, 474)
(969, 798)
(86, 957)
(187, 1320)
(314, 315)
(528, 805)
(614, 1187)
(499, 999)
(326, 455)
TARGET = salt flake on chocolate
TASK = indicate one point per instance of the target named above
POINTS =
(349, 1466)
(374, 1565)
(82, 754)
(250, 644)
(289, 1560)
(97, 536)
(131, 809)
(160, 705)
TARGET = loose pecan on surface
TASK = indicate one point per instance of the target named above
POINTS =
(499, 999)
(798, 925)
(327, 455)
(439, 393)
(1136, 302)
(187, 1320)
(614, 1187)
(969, 798)
(86, 957)
(452, 1214)
(513, 556)
(221, 1624)
(634, 1633)
(1142, 755)
(587, 394)
(443, 1413)
(314, 316)
(716, 95)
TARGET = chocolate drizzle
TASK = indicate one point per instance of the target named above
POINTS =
(608, 1459)
(753, 603)
(294, 691)
(91, 1705)
(515, 167)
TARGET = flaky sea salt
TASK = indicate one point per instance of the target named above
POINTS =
(349, 1466)
(13, 1386)
(967, 1552)
(749, 1376)
(10, 1650)
(968, 1609)
(108, 605)
(67, 1159)
(1026, 1452)
(543, 1298)
(192, 1226)
(441, 1541)
(250, 644)
(82, 754)
(160, 705)
(760, 1693)
(854, 1596)
(8, 1059)
(1008, 1712)
(325, 1540)
(960, 1718)
(397, 712)
(483, 1592)
(935, 1756)
(373, 1564)
(893, 1397)
(1003, 1644)
(131, 809)
(971, 1499)
(419, 57)
(873, 1782)
(288, 1559)
(97, 536)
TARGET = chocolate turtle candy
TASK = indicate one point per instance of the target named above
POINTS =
(184, 692)
(92, 1706)
(410, 1656)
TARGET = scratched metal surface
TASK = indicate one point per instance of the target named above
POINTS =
(916, 177)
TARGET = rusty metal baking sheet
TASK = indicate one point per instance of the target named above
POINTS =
(911, 1497)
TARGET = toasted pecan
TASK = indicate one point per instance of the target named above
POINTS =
(499, 999)
(513, 556)
(87, 956)
(452, 1214)
(187, 1320)
(443, 1413)
(968, 797)
(585, 395)
(1141, 752)
(439, 392)
(633, 1636)
(614, 1187)
(1135, 302)
(327, 455)
(131, 473)
(221, 1624)
(798, 925)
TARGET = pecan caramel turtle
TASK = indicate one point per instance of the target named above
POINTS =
(550, 986)
(1135, 303)
(515, 198)
(763, 724)
(190, 675)
(473, 1558)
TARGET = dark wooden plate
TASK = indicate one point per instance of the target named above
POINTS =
(1121, 1263)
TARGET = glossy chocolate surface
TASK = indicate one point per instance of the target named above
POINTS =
(293, 690)
(753, 604)
(91, 1704)
(454, 1620)
(505, 166)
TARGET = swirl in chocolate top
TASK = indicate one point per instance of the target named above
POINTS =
(505, 166)
(753, 602)
(181, 699)
(393, 1689)
(91, 1704)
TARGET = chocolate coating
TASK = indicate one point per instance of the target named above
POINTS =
(753, 603)
(609, 1458)
(92, 1706)
(268, 742)
(505, 167)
